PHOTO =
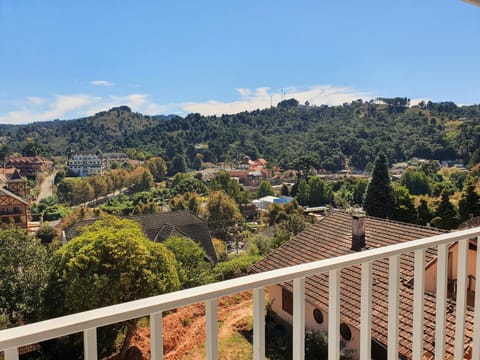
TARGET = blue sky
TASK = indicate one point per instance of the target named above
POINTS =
(67, 59)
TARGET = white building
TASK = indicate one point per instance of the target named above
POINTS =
(86, 163)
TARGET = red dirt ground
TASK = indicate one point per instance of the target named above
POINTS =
(184, 329)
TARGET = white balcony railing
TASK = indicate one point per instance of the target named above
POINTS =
(87, 322)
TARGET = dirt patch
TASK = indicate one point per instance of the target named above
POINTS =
(185, 328)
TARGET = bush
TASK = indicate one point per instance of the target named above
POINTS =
(235, 267)
(46, 233)
(56, 212)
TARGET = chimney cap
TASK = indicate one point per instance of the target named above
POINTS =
(358, 212)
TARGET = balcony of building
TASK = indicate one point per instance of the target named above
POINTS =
(463, 339)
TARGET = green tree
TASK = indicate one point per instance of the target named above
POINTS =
(221, 210)
(284, 190)
(178, 178)
(379, 199)
(143, 181)
(223, 181)
(259, 244)
(82, 191)
(32, 148)
(265, 189)
(178, 164)
(275, 214)
(110, 262)
(23, 274)
(99, 185)
(303, 192)
(197, 163)
(294, 224)
(424, 213)
(469, 203)
(46, 233)
(59, 176)
(235, 267)
(475, 158)
(65, 191)
(446, 216)
(190, 185)
(320, 192)
(404, 206)
(157, 167)
(192, 267)
(186, 201)
(359, 191)
(416, 182)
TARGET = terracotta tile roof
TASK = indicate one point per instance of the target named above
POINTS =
(331, 237)
(159, 226)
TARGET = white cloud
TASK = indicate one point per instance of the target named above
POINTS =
(261, 98)
(102, 83)
(35, 100)
(63, 106)
(414, 102)
(35, 110)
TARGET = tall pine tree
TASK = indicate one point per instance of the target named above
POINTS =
(469, 204)
(379, 199)
(446, 216)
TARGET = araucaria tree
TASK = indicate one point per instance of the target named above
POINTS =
(379, 199)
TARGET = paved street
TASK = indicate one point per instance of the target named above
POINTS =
(46, 186)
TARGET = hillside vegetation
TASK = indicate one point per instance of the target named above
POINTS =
(328, 137)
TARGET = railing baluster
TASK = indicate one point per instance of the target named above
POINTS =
(90, 344)
(441, 309)
(334, 314)
(366, 312)
(476, 327)
(394, 282)
(299, 318)
(259, 324)
(418, 294)
(462, 261)
(212, 329)
(156, 336)
(11, 354)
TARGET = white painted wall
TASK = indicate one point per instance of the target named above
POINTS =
(275, 299)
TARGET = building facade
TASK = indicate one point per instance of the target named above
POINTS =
(86, 163)
(14, 205)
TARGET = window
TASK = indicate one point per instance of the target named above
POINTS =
(318, 316)
(287, 301)
(345, 332)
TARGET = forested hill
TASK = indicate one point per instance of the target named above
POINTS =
(330, 136)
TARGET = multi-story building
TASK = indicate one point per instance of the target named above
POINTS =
(29, 166)
(14, 206)
(116, 157)
(86, 163)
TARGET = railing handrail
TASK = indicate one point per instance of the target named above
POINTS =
(69, 324)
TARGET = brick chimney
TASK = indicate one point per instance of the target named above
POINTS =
(358, 230)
